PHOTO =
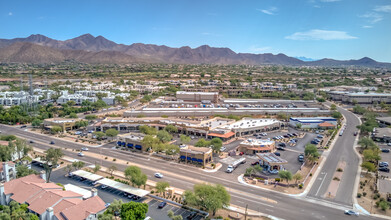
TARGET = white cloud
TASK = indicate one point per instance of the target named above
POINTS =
(10, 14)
(366, 26)
(383, 8)
(259, 49)
(372, 17)
(317, 34)
(269, 11)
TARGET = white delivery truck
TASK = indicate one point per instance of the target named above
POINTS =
(235, 164)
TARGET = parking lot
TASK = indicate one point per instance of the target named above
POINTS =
(385, 183)
(109, 194)
(290, 153)
(161, 213)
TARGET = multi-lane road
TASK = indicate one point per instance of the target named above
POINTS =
(182, 176)
(342, 152)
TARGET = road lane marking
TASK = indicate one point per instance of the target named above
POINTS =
(321, 184)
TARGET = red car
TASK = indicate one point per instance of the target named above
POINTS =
(241, 153)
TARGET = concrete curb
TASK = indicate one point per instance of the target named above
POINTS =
(214, 170)
(258, 214)
(355, 187)
(241, 180)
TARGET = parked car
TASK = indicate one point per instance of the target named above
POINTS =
(355, 133)
(384, 169)
(277, 154)
(223, 148)
(158, 175)
(282, 144)
(23, 126)
(351, 212)
(280, 148)
(319, 136)
(241, 153)
(384, 150)
(300, 158)
(255, 163)
(162, 204)
(31, 142)
(51, 142)
(84, 148)
(389, 144)
(103, 187)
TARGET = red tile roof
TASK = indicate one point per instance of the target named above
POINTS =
(84, 209)
(39, 195)
(226, 135)
(326, 124)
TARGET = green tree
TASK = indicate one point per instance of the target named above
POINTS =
(384, 205)
(78, 165)
(249, 171)
(258, 168)
(55, 129)
(370, 167)
(36, 122)
(336, 114)
(172, 216)
(99, 104)
(99, 135)
(171, 149)
(21, 148)
(164, 136)
(171, 129)
(208, 197)
(148, 130)
(112, 132)
(134, 211)
(81, 123)
(105, 216)
(185, 139)
(91, 117)
(311, 149)
(216, 143)
(298, 125)
(297, 177)
(51, 159)
(372, 155)
(333, 107)
(161, 187)
(96, 167)
(112, 169)
(73, 115)
(286, 175)
(115, 207)
(68, 168)
(367, 143)
(202, 143)
(149, 142)
(135, 176)
(23, 170)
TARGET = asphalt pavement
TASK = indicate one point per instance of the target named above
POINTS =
(342, 151)
(184, 177)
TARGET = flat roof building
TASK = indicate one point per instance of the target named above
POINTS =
(65, 123)
(360, 97)
(314, 122)
(197, 96)
(254, 146)
(199, 155)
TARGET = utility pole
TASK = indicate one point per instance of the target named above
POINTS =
(245, 213)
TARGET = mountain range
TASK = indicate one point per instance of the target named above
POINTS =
(89, 49)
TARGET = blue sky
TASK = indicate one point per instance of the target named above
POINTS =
(340, 29)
